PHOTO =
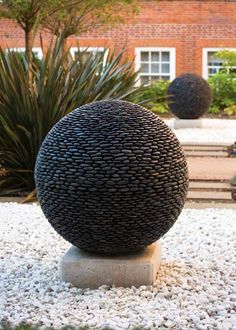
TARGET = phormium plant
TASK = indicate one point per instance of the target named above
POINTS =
(30, 107)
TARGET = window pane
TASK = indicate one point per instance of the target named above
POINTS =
(144, 56)
(213, 60)
(144, 80)
(222, 69)
(155, 56)
(212, 71)
(165, 77)
(97, 52)
(155, 68)
(155, 78)
(36, 54)
(144, 68)
(87, 55)
(232, 70)
(165, 68)
(165, 56)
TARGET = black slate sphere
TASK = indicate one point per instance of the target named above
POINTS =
(111, 177)
(189, 96)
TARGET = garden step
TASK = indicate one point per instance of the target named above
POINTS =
(205, 150)
(204, 144)
(200, 153)
(208, 168)
(205, 147)
(210, 185)
(191, 204)
(218, 196)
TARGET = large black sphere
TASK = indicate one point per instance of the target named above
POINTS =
(189, 96)
(111, 177)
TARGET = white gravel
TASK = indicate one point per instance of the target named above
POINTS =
(213, 131)
(195, 288)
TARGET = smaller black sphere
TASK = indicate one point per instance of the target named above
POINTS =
(189, 96)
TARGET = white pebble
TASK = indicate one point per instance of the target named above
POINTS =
(195, 287)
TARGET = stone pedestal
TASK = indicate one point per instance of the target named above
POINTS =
(188, 123)
(86, 270)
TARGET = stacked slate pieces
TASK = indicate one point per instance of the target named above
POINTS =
(189, 96)
(111, 177)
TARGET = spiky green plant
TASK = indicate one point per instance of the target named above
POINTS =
(59, 84)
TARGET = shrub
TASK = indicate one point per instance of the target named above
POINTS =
(231, 110)
(30, 107)
(232, 150)
(233, 181)
(223, 86)
(154, 96)
(189, 96)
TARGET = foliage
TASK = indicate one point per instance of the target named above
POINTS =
(232, 150)
(155, 96)
(233, 181)
(65, 17)
(231, 110)
(228, 58)
(88, 15)
(214, 109)
(224, 90)
(223, 84)
(59, 85)
(25, 12)
(28, 14)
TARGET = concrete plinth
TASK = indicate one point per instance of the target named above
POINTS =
(188, 123)
(86, 270)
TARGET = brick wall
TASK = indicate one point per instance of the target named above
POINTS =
(188, 26)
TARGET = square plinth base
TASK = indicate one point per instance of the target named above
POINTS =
(188, 123)
(87, 270)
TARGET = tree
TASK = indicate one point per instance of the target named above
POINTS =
(87, 15)
(64, 17)
(28, 14)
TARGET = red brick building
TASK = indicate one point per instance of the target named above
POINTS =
(167, 38)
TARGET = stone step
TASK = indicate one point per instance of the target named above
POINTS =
(209, 204)
(204, 148)
(199, 153)
(210, 185)
(204, 144)
(209, 196)
(210, 168)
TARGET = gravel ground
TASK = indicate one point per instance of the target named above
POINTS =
(195, 288)
(213, 131)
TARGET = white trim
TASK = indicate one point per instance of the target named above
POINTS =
(73, 50)
(205, 58)
(172, 61)
(37, 50)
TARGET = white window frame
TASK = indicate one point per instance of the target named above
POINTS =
(205, 52)
(73, 50)
(22, 49)
(172, 52)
